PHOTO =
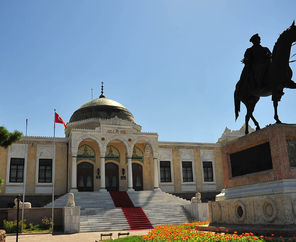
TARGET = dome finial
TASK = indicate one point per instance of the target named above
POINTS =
(102, 90)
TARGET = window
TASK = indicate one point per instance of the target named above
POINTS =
(16, 170)
(187, 171)
(165, 171)
(45, 171)
(208, 171)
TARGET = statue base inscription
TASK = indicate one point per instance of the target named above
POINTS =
(259, 178)
(251, 160)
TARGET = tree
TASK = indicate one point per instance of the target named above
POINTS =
(6, 139)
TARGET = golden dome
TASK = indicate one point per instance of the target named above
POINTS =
(102, 108)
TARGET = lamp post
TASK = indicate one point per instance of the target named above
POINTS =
(17, 215)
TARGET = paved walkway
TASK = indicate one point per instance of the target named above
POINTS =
(79, 237)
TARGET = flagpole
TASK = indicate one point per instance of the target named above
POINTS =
(53, 172)
(25, 173)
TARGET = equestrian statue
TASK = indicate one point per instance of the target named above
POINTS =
(265, 74)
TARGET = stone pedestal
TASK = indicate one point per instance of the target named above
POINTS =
(71, 219)
(2, 235)
(198, 210)
(260, 179)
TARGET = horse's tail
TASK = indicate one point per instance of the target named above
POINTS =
(236, 103)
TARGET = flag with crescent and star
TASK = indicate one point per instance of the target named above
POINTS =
(58, 119)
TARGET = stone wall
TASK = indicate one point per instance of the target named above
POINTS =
(34, 215)
(6, 201)
(277, 136)
(258, 195)
(32, 186)
(198, 211)
(39, 146)
(279, 209)
(3, 165)
(205, 196)
(3, 215)
(173, 152)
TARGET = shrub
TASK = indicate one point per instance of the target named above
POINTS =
(10, 226)
(33, 227)
(46, 223)
(1, 182)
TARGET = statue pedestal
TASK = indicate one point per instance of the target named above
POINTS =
(260, 179)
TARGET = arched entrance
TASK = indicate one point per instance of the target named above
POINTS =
(111, 177)
(85, 177)
(137, 177)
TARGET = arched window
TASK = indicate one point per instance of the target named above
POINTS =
(85, 152)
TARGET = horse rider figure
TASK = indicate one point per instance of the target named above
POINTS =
(265, 74)
(257, 60)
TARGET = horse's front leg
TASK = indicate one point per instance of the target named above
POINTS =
(247, 118)
(255, 122)
(250, 109)
(276, 117)
(247, 124)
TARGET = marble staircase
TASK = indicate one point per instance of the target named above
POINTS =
(160, 207)
(135, 216)
(98, 212)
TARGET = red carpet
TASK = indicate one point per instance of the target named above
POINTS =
(135, 217)
(121, 200)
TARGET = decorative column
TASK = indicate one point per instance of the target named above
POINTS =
(103, 184)
(74, 175)
(156, 176)
(130, 174)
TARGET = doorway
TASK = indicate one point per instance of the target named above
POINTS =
(137, 177)
(111, 177)
(85, 177)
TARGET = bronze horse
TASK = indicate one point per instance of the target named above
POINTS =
(277, 77)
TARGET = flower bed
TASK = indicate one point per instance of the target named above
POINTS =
(44, 227)
(187, 232)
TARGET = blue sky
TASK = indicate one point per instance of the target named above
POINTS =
(173, 64)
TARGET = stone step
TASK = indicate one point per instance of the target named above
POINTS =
(161, 208)
(87, 200)
(98, 212)
(102, 219)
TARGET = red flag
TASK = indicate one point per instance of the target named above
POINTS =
(58, 119)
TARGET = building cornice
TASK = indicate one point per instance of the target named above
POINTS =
(194, 144)
(77, 131)
(44, 138)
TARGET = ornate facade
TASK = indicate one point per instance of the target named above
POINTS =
(105, 149)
